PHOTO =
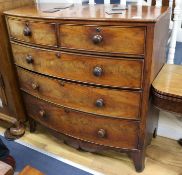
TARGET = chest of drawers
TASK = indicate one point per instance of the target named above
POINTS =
(87, 74)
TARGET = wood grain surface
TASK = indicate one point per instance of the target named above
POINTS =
(115, 132)
(73, 66)
(169, 81)
(118, 39)
(116, 103)
(41, 32)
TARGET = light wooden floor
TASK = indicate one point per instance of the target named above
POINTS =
(164, 156)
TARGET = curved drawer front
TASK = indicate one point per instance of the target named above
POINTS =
(116, 103)
(92, 128)
(90, 69)
(33, 32)
(127, 40)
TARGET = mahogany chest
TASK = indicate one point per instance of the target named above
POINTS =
(87, 74)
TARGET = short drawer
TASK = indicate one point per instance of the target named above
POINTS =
(100, 130)
(102, 101)
(34, 32)
(98, 70)
(110, 39)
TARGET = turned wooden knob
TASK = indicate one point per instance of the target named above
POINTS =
(97, 71)
(42, 113)
(99, 103)
(35, 86)
(27, 31)
(97, 39)
(29, 59)
(101, 133)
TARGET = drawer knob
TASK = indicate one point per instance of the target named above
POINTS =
(100, 103)
(101, 133)
(42, 113)
(29, 59)
(35, 86)
(97, 71)
(27, 31)
(97, 39)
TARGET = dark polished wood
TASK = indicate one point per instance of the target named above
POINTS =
(129, 40)
(63, 64)
(95, 77)
(99, 130)
(115, 103)
(167, 102)
(12, 109)
(32, 32)
(138, 159)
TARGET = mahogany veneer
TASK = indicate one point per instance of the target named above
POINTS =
(116, 103)
(81, 64)
(87, 74)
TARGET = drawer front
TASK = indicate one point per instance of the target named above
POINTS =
(87, 127)
(127, 40)
(90, 69)
(115, 103)
(33, 32)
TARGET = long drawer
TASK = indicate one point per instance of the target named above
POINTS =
(106, 71)
(100, 130)
(35, 32)
(102, 101)
(108, 39)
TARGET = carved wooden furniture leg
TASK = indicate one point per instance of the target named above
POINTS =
(32, 125)
(16, 131)
(138, 159)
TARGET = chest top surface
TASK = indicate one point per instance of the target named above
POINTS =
(91, 12)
